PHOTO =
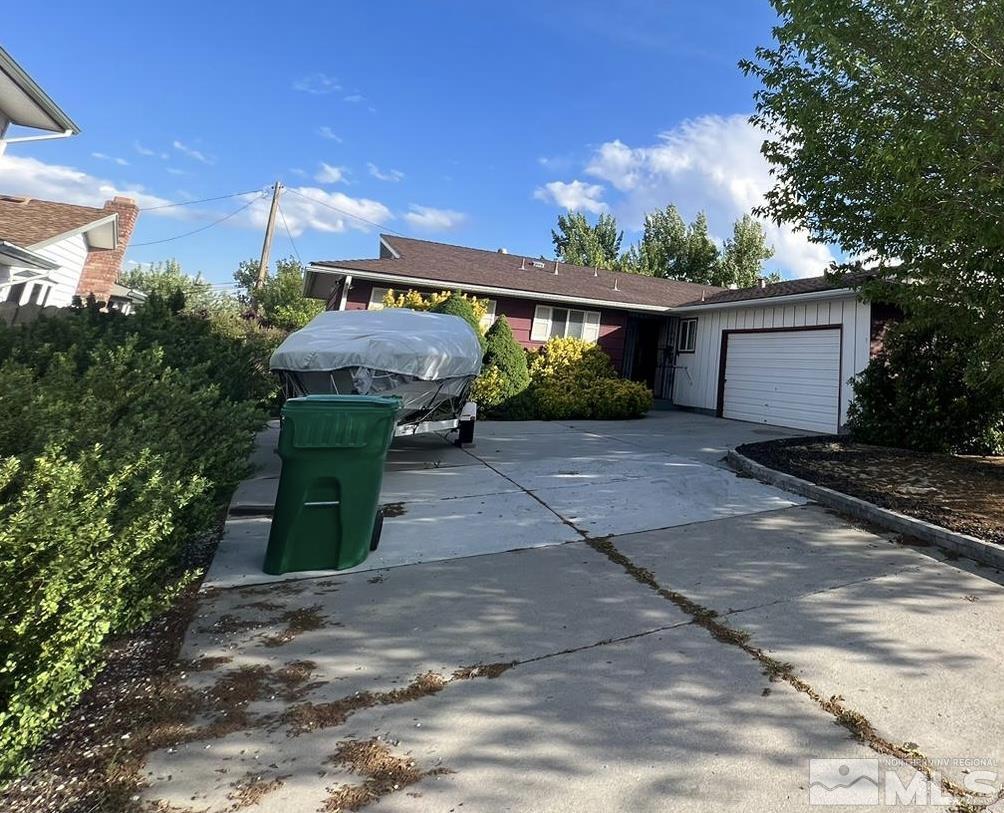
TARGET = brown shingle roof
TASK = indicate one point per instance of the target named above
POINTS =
(471, 266)
(28, 221)
(809, 285)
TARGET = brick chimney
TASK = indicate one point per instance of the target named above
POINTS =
(103, 265)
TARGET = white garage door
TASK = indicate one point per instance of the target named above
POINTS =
(789, 378)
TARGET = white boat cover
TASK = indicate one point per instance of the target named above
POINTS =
(428, 346)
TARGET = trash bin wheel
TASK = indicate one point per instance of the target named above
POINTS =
(377, 530)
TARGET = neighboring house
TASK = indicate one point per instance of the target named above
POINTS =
(778, 354)
(51, 252)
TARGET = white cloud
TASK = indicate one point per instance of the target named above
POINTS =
(354, 98)
(317, 84)
(712, 163)
(176, 171)
(573, 196)
(102, 157)
(310, 208)
(391, 175)
(328, 133)
(191, 152)
(305, 208)
(34, 178)
(430, 219)
(146, 151)
(330, 174)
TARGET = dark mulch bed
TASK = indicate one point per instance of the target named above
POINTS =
(964, 494)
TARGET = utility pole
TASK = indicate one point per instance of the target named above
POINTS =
(269, 228)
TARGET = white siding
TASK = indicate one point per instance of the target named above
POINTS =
(70, 254)
(696, 379)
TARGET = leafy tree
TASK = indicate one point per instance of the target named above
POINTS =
(578, 243)
(167, 277)
(744, 255)
(886, 138)
(280, 300)
(670, 248)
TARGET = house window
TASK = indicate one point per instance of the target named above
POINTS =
(688, 335)
(550, 323)
(489, 318)
(14, 293)
(376, 298)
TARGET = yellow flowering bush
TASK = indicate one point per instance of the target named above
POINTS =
(413, 300)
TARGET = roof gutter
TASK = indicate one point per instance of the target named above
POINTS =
(23, 258)
(474, 289)
(46, 137)
(832, 293)
(31, 89)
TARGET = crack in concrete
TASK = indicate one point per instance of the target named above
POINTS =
(855, 722)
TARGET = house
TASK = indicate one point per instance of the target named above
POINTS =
(51, 252)
(779, 354)
(24, 104)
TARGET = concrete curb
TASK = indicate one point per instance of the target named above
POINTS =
(975, 548)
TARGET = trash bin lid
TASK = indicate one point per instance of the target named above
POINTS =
(342, 403)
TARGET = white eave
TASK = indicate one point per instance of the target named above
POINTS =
(24, 103)
(101, 233)
(428, 282)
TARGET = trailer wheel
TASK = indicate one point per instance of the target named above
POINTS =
(377, 530)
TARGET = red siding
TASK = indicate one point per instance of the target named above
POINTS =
(519, 313)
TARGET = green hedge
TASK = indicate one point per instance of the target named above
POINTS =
(571, 379)
(119, 439)
(920, 392)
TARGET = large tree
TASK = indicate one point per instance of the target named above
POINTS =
(672, 249)
(744, 254)
(885, 132)
(280, 300)
(577, 242)
(167, 277)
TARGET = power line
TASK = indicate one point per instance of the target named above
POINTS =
(346, 214)
(203, 228)
(289, 234)
(193, 202)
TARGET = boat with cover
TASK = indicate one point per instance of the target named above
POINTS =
(428, 360)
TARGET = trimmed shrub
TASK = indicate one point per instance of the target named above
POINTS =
(458, 305)
(574, 380)
(121, 438)
(915, 394)
(505, 373)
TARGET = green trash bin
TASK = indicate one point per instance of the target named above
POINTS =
(333, 449)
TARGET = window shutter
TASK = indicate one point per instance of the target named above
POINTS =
(541, 329)
(591, 329)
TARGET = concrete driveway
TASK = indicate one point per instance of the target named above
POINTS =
(592, 617)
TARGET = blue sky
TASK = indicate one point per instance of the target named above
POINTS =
(464, 122)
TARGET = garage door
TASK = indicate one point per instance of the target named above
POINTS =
(789, 378)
